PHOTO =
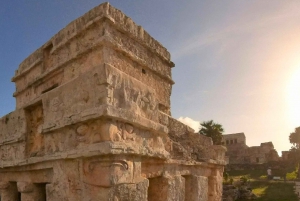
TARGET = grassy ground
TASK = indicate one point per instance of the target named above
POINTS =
(273, 191)
(267, 190)
(255, 174)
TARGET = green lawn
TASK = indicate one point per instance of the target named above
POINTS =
(266, 190)
(254, 174)
(273, 191)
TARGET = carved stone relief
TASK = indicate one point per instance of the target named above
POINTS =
(132, 95)
(54, 143)
(107, 173)
(99, 131)
(136, 139)
(12, 152)
(124, 136)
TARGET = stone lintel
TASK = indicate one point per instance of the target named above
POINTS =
(110, 112)
(25, 187)
(101, 149)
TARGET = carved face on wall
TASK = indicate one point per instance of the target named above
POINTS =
(107, 173)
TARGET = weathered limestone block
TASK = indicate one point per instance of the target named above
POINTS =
(123, 138)
(66, 183)
(9, 191)
(71, 102)
(13, 127)
(123, 192)
(167, 188)
(144, 75)
(217, 152)
(94, 193)
(196, 188)
(215, 187)
(12, 152)
(52, 194)
(130, 192)
(137, 51)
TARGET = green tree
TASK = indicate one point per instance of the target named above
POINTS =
(294, 154)
(295, 138)
(213, 130)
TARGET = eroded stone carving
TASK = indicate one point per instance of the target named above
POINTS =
(133, 95)
(107, 173)
(128, 137)
(12, 152)
(99, 131)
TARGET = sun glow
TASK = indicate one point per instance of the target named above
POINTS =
(293, 98)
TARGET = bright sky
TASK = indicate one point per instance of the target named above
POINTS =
(237, 62)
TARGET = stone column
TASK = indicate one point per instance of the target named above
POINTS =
(214, 188)
(9, 191)
(196, 188)
(166, 188)
(30, 191)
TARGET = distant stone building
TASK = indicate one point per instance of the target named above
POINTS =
(239, 153)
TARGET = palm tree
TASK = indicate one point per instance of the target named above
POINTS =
(213, 130)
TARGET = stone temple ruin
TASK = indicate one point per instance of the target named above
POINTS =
(92, 122)
(238, 152)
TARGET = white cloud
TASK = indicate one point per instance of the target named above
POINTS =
(190, 122)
